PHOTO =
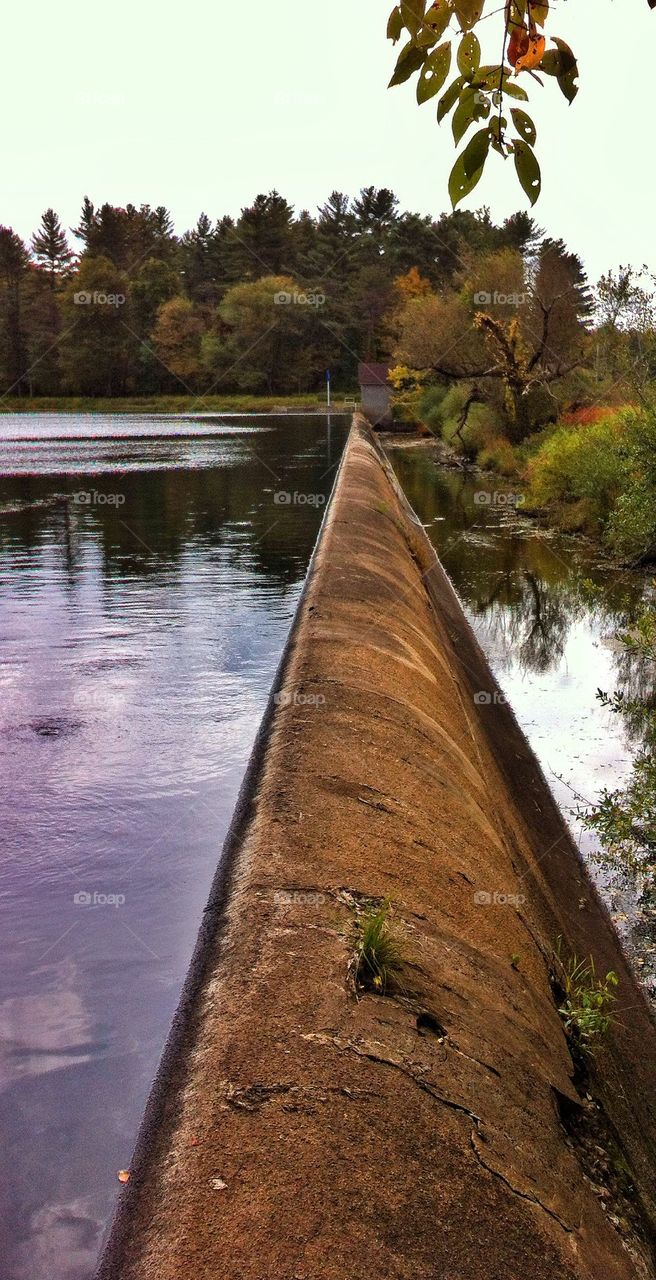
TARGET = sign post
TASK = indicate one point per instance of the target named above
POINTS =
(328, 387)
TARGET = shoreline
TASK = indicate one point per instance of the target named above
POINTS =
(164, 404)
(544, 517)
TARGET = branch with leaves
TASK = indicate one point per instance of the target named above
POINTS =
(479, 93)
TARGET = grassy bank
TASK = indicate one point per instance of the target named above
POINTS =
(173, 404)
(592, 472)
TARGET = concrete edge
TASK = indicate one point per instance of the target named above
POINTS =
(172, 1060)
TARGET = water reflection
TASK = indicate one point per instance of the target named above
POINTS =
(546, 610)
(138, 643)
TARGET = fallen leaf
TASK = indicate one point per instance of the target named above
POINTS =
(123, 1175)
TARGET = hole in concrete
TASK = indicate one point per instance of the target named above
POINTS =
(428, 1025)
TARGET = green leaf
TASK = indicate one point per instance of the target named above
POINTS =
(410, 59)
(468, 12)
(473, 105)
(524, 126)
(449, 99)
(562, 64)
(435, 71)
(412, 13)
(489, 78)
(468, 168)
(469, 54)
(426, 37)
(497, 127)
(528, 170)
(395, 25)
(437, 19)
(515, 91)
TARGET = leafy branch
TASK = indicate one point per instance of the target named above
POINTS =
(478, 93)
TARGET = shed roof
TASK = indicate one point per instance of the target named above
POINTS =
(373, 375)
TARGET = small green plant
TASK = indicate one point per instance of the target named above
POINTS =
(378, 954)
(587, 1001)
(515, 960)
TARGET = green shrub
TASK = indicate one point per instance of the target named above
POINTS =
(429, 406)
(602, 476)
(484, 425)
(632, 526)
(451, 408)
(499, 456)
(405, 407)
(583, 468)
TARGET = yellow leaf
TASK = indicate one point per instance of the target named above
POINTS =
(533, 56)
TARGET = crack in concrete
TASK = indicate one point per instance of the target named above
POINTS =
(252, 1097)
(523, 1195)
(370, 1054)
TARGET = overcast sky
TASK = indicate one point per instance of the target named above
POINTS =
(201, 105)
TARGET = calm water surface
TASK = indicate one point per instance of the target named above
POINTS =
(546, 610)
(148, 579)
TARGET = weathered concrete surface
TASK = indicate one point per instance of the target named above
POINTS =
(297, 1132)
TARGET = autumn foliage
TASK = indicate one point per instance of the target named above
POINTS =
(479, 93)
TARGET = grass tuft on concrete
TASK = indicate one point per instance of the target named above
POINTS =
(587, 1001)
(378, 951)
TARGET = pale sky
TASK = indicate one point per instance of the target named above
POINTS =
(201, 105)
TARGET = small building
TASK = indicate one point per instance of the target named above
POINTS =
(375, 394)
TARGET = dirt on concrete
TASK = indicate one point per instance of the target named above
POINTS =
(304, 1130)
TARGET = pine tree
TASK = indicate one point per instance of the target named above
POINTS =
(14, 260)
(264, 237)
(50, 246)
(87, 222)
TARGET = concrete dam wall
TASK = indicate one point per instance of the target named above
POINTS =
(302, 1129)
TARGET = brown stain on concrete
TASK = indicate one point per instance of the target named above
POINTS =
(301, 1133)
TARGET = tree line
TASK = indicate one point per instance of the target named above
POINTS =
(265, 302)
